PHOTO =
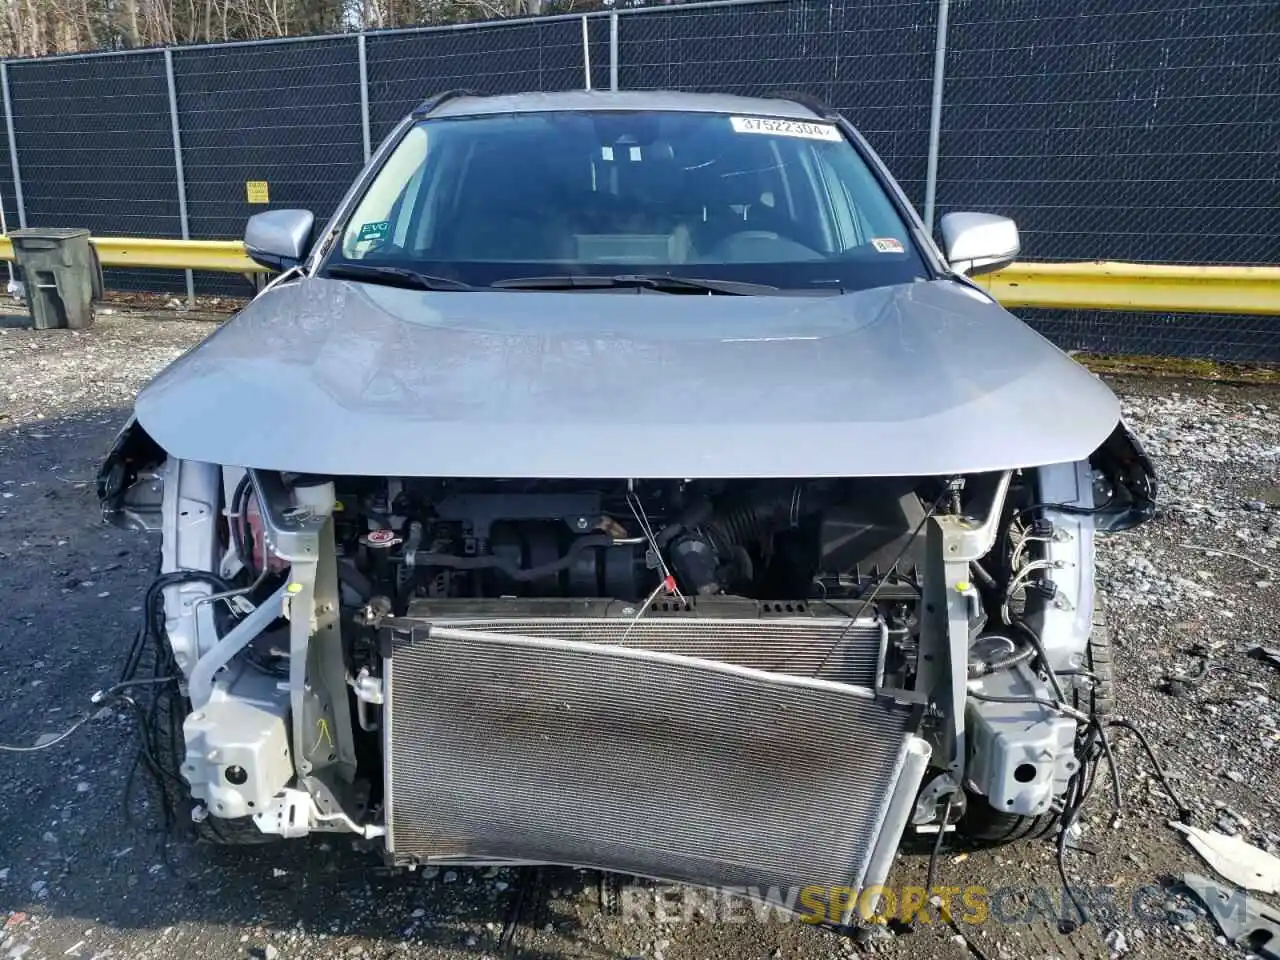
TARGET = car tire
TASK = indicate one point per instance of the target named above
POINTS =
(984, 826)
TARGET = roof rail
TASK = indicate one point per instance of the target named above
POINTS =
(429, 105)
(805, 100)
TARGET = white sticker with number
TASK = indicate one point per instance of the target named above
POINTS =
(786, 128)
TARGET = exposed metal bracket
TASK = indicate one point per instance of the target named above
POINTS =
(317, 676)
(302, 535)
(301, 588)
(292, 533)
(201, 683)
(970, 538)
(367, 687)
(951, 544)
(288, 815)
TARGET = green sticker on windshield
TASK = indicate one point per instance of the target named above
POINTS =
(377, 230)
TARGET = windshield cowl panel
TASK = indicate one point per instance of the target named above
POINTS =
(711, 199)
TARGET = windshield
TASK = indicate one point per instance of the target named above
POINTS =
(779, 203)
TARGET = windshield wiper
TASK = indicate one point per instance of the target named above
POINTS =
(661, 282)
(394, 276)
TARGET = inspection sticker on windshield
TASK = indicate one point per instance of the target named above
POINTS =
(888, 245)
(785, 128)
(377, 230)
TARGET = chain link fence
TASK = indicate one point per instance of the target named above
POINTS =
(97, 151)
(287, 115)
(1141, 131)
(405, 68)
(873, 62)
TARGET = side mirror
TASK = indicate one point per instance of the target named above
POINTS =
(279, 239)
(979, 242)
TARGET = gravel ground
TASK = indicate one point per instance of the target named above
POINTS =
(83, 873)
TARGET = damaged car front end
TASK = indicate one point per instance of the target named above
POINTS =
(722, 578)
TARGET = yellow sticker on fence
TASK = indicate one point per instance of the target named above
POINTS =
(256, 191)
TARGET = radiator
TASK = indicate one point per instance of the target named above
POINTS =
(538, 749)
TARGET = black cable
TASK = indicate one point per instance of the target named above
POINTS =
(981, 575)
(135, 653)
(1185, 813)
(131, 778)
(1069, 508)
(1036, 642)
(1117, 799)
(242, 531)
(527, 887)
(1079, 788)
(159, 724)
(1040, 701)
(1070, 811)
(937, 845)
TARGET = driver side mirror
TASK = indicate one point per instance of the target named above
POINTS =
(279, 239)
(979, 242)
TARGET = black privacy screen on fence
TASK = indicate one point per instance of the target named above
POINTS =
(1117, 131)
(406, 68)
(96, 150)
(285, 115)
(873, 62)
(1106, 129)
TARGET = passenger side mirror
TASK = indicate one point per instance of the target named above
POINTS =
(279, 239)
(979, 242)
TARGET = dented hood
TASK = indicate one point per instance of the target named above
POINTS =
(336, 377)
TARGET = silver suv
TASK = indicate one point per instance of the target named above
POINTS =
(626, 480)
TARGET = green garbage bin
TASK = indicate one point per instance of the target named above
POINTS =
(61, 275)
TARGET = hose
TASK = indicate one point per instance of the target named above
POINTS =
(981, 668)
(510, 567)
(754, 521)
(982, 576)
(241, 531)
(1044, 659)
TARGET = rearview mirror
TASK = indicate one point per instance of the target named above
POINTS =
(279, 239)
(979, 242)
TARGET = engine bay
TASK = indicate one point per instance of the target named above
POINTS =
(788, 540)
(841, 549)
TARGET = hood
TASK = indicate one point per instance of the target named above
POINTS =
(337, 377)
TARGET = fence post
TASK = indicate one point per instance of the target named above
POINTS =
(613, 49)
(13, 147)
(586, 51)
(364, 95)
(177, 167)
(935, 114)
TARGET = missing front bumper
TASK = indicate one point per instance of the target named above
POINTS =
(528, 749)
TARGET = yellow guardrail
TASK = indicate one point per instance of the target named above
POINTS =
(223, 256)
(1093, 285)
(1159, 288)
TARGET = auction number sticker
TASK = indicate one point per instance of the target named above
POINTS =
(786, 128)
(888, 245)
